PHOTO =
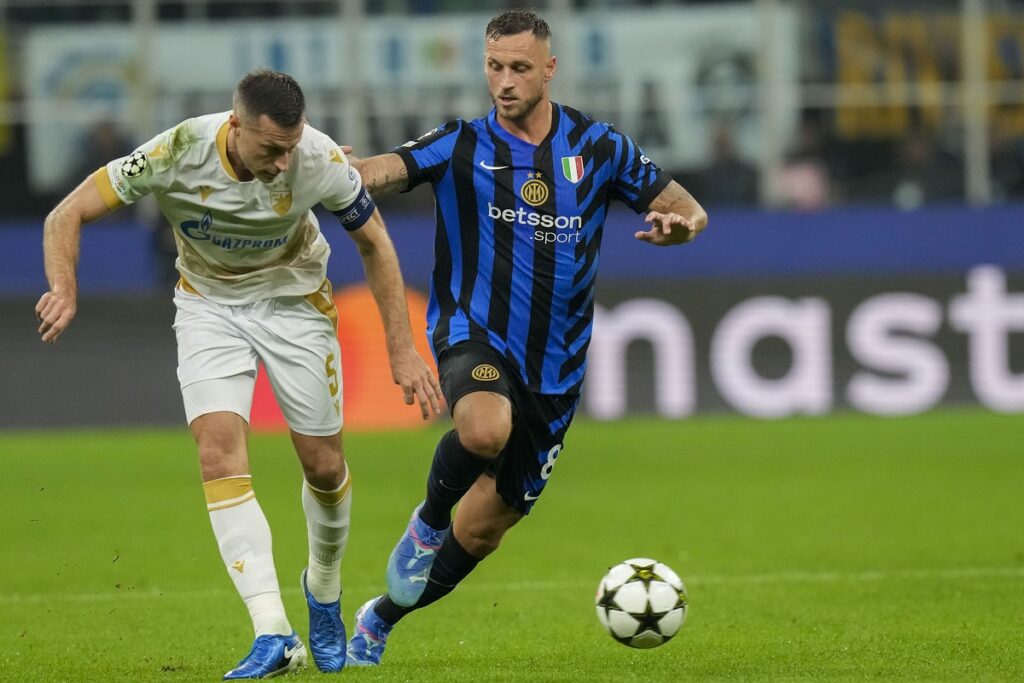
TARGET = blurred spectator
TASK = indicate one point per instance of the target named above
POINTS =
(728, 180)
(803, 183)
(103, 143)
(1007, 158)
(924, 173)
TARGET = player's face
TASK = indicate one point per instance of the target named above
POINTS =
(264, 147)
(518, 69)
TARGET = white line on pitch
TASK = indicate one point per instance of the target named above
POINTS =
(696, 580)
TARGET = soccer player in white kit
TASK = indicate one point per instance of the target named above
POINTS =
(238, 188)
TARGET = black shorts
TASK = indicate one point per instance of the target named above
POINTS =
(539, 421)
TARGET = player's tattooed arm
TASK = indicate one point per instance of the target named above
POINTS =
(675, 217)
(382, 174)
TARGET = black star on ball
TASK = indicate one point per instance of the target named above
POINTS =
(649, 619)
(607, 601)
(644, 573)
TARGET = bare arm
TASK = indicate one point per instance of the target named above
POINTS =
(384, 278)
(382, 174)
(675, 217)
(61, 236)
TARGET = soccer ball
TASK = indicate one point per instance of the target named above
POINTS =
(641, 602)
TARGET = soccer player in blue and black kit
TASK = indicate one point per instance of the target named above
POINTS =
(521, 199)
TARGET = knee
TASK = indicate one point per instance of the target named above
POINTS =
(485, 438)
(326, 474)
(323, 461)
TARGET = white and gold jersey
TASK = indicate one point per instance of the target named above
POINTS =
(239, 242)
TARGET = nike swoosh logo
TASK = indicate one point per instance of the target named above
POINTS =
(530, 496)
(491, 168)
(289, 651)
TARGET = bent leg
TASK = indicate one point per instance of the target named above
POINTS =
(239, 525)
(482, 427)
(483, 423)
(482, 518)
(327, 504)
(481, 521)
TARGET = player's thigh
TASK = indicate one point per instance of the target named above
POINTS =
(476, 383)
(298, 344)
(216, 362)
(525, 467)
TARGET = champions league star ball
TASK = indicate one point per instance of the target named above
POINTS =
(134, 165)
(641, 602)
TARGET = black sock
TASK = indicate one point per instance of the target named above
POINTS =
(451, 566)
(452, 472)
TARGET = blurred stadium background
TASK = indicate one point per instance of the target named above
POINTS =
(811, 413)
(862, 162)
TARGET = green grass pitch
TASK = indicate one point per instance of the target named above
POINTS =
(846, 548)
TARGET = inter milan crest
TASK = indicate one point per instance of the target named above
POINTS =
(281, 200)
(485, 373)
(534, 191)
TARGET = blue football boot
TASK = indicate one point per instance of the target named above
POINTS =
(371, 635)
(411, 560)
(326, 632)
(271, 655)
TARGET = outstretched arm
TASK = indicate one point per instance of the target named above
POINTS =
(385, 280)
(61, 237)
(382, 174)
(675, 217)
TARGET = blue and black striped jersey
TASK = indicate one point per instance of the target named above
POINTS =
(519, 233)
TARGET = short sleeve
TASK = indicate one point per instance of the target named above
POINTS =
(148, 169)
(344, 194)
(427, 157)
(637, 179)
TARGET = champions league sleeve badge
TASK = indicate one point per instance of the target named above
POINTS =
(134, 165)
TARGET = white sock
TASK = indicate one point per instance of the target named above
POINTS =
(243, 536)
(327, 520)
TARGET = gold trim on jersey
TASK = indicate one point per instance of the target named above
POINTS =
(185, 286)
(332, 498)
(110, 197)
(228, 492)
(222, 150)
(323, 301)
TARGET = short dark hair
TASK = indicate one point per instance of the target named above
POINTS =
(273, 93)
(516, 21)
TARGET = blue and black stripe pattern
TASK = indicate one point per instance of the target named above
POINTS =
(519, 234)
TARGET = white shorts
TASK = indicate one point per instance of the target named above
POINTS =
(296, 337)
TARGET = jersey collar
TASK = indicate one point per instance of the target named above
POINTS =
(222, 151)
(497, 129)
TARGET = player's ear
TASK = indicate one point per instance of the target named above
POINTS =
(550, 68)
(234, 121)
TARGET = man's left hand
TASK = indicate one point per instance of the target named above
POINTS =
(667, 229)
(417, 381)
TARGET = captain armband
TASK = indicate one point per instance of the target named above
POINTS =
(355, 215)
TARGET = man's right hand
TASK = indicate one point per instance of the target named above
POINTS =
(55, 312)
